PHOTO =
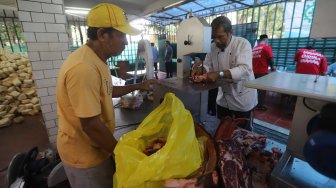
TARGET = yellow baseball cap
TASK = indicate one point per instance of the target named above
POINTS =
(105, 15)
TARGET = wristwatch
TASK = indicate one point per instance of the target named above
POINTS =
(221, 74)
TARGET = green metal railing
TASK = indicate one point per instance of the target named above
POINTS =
(287, 23)
(11, 35)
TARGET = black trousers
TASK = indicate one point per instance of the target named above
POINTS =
(223, 112)
(155, 66)
(261, 93)
(212, 101)
(169, 69)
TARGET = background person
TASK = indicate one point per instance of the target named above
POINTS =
(230, 58)
(309, 61)
(262, 59)
(169, 60)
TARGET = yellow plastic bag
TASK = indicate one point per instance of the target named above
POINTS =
(178, 158)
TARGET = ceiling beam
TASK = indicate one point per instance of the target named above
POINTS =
(162, 5)
(199, 4)
(181, 9)
(235, 1)
(166, 18)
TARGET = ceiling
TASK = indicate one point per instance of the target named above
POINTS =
(138, 8)
(162, 12)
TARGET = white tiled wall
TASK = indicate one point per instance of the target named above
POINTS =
(42, 17)
(44, 27)
(47, 37)
(30, 37)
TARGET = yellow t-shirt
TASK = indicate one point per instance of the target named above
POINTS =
(84, 89)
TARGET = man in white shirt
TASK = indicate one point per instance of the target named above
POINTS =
(230, 58)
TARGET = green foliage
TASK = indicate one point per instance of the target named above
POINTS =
(270, 18)
(11, 33)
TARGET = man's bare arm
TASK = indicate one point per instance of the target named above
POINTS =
(119, 91)
(99, 133)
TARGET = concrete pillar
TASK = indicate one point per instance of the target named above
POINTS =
(44, 26)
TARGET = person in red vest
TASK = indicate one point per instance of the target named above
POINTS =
(309, 61)
(262, 59)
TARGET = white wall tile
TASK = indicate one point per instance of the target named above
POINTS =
(58, 46)
(54, 107)
(55, 27)
(48, 100)
(38, 75)
(52, 90)
(52, 140)
(36, 47)
(60, 18)
(50, 116)
(53, 73)
(33, 27)
(29, 37)
(57, 1)
(44, 1)
(52, 8)
(66, 54)
(50, 124)
(34, 56)
(46, 108)
(58, 63)
(42, 65)
(43, 17)
(29, 6)
(50, 55)
(45, 83)
(24, 16)
(52, 131)
(46, 37)
(63, 37)
(42, 92)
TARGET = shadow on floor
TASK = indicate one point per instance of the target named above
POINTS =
(21, 138)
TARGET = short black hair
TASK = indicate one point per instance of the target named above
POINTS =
(221, 21)
(152, 43)
(167, 42)
(309, 47)
(263, 36)
(92, 32)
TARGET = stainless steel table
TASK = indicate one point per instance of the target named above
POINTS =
(127, 119)
(317, 90)
(193, 95)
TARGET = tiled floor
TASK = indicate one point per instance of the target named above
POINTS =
(279, 112)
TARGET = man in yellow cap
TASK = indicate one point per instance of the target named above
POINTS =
(86, 124)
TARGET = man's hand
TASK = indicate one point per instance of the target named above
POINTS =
(99, 133)
(207, 77)
(200, 78)
(146, 85)
(197, 69)
(273, 68)
(213, 76)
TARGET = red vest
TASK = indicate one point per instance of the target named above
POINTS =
(261, 53)
(310, 62)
